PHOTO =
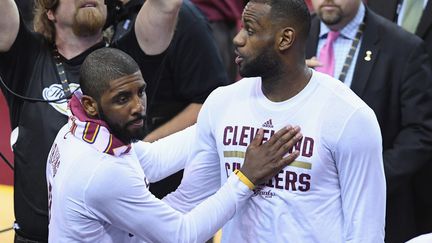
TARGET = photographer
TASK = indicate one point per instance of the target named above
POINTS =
(44, 65)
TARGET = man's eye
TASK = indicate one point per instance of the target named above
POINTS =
(121, 99)
(249, 31)
(141, 93)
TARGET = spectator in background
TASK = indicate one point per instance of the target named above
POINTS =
(191, 70)
(389, 69)
(224, 17)
(415, 18)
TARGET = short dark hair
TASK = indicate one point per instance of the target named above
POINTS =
(102, 66)
(294, 12)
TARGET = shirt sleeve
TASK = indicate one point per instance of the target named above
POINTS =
(201, 177)
(359, 162)
(127, 204)
(167, 155)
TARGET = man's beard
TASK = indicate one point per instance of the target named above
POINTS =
(88, 22)
(121, 132)
(265, 64)
(330, 18)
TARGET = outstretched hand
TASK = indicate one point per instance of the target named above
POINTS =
(264, 160)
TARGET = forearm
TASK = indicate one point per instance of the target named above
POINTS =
(9, 24)
(201, 176)
(155, 25)
(213, 213)
(159, 164)
(129, 205)
(184, 119)
(201, 179)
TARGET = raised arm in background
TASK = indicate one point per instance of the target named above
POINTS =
(9, 23)
(155, 25)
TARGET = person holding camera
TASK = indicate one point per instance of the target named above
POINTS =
(44, 65)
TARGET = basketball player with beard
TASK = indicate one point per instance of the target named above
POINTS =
(335, 190)
(45, 65)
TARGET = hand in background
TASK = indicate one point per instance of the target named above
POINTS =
(313, 62)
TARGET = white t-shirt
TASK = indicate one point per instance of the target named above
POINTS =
(100, 197)
(333, 192)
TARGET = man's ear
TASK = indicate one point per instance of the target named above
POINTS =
(90, 106)
(50, 15)
(286, 38)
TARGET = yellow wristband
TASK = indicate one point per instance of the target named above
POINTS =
(244, 179)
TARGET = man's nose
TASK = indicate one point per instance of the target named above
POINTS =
(139, 105)
(238, 39)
